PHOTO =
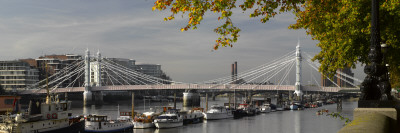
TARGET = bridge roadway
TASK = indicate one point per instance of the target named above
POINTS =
(191, 86)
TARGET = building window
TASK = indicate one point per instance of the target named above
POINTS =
(9, 101)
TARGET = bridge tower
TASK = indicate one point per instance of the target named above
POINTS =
(297, 85)
(90, 97)
(87, 94)
(98, 72)
(98, 95)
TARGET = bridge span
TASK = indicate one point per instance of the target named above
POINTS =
(226, 87)
(103, 74)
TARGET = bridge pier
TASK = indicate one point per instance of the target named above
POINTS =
(339, 103)
(191, 98)
(91, 98)
(213, 96)
(98, 97)
(87, 98)
(66, 96)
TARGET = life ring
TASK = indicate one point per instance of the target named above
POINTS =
(48, 116)
(54, 116)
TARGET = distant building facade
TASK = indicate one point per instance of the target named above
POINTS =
(51, 64)
(55, 63)
(17, 75)
(145, 68)
(128, 63)
(342, 83)
(149, 69)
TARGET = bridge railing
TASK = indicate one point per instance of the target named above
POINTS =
(192, 86)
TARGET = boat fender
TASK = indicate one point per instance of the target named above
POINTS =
(54, 116)
(48, 116)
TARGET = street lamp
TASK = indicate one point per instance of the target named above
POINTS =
(375, 89)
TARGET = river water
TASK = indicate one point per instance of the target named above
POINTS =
(303, 121)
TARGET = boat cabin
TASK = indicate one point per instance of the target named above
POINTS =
(125, 113)
(243, 105)
(96, 118)
(167, 117)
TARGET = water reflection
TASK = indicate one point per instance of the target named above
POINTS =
(145, 131)
(303, 121)
(297, 122)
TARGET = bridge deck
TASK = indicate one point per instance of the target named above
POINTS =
(190, 86)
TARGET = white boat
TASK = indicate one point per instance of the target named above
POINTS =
(145, 120)
(293, 107)
(195, 115)
(99, 123)
(218, 112)
(265, 108)
(44, 117)
(170, 119)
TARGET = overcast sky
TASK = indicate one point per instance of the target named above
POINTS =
(130, 29)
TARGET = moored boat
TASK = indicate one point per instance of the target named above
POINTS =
(145, 120)
(170, 119)
(218, 112)
(239, 113)
(249, 109)
(99, 123)
(192, 116)
(293, 107)
(265, 108)
(52, 115)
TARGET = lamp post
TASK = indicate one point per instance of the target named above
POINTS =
(375, 89)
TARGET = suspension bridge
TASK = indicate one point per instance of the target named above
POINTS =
(102, 74)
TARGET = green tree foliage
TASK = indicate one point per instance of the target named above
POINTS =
(343, 30)
(341, 26)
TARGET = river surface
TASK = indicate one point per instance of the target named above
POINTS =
(303, 121)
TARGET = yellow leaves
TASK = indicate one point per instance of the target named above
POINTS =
(185, 9)
(185, 28)
(227, 31)
(190, 21)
